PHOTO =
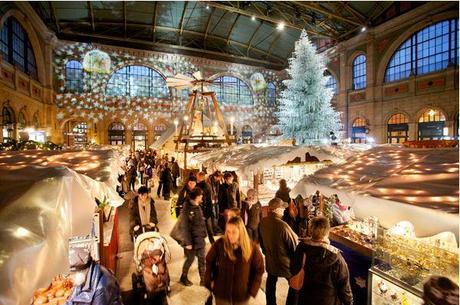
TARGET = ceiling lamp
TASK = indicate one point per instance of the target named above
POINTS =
(363, 29)
(253, 18)
(280, 26)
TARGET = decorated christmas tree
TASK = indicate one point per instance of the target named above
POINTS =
(306, 114)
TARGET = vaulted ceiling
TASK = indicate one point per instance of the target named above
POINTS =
(237, 31)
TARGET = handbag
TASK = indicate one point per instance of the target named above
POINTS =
(177, 232)
(296, 281)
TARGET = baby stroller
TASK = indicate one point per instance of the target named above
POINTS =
(151, 278)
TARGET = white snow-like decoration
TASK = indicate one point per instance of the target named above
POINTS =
(46, 199)
(248, 159)
(395, 184)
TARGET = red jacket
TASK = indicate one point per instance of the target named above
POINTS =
(233, 280)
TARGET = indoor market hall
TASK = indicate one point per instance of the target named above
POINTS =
(229, 152)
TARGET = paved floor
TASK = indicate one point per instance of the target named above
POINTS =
(180, 295)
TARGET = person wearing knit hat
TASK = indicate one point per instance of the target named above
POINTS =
(94, 284)
(439, 290)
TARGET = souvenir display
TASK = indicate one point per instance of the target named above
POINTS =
(362, 233)
(56, 293)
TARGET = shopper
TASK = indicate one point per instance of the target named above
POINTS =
(207, 204)
(93, 283)
(252, 214)
(175, 170)
(234, 266)
(195, 233)
(141, 170)
(166, 179)
(440, 290)
(326, 280)
(291, 216)
(143, 215)
(226, 200)
(283, 191)
(184, 193)
(278, 242)
(132, 174)
(215, 180)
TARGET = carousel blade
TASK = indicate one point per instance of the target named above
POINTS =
(197, 75)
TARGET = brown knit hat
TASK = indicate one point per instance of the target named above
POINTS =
(439, 290)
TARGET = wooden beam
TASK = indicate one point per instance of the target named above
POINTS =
(274, 21)
(252, 37)
(181, 24)
(91, 15)
(154, 20)
(311, 6)
(207, 26)
(279, 61)
(53, 13)
(231, 28)
(354, 12)
(124, 18)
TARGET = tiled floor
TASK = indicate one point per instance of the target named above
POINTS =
(180, 295)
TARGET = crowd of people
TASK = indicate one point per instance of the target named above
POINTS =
(288, 242)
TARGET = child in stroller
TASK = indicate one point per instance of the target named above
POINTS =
(151, 278)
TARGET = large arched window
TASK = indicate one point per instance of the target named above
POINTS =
(358, 131)
(231, 90)
(137, 81)
(271, 94)
(74, 76)
(139, 136)
(8, 122)
(431, 125)
(16, 48)
(116, 134)
(331, 82)
(397, 128)
(430, 49)
(359, 72)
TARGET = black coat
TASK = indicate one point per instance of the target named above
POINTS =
(206, 206)
(195, 225)
(135, 217)
(253, 215)
(327, 280)
(226, 197)
(167, 180)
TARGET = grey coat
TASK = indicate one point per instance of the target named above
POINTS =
(278, 242)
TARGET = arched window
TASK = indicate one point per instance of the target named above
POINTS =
(116, 134)
(271, 94)
(8, 122)
(80, 133)
(359, 72)
(232, 91)
(74, 76)
(139, 136)
(331, 82)
(137, 81)
(246, 134)
(36, 121)
(431, 125)
(428, 50)
(16, 48)
(358, 132)
(22, 123)
(398, 128)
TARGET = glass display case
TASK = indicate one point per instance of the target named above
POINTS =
(402, 262)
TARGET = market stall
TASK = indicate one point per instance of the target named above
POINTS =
(47, 199)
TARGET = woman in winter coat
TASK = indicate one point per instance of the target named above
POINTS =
(326, 279)
(234, 266)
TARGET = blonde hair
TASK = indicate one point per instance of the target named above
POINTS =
(244, 240)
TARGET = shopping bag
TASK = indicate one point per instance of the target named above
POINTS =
(178, 231)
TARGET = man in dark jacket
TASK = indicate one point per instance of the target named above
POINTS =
(175, 170)
(326, 280)
(184, 193)
(94, 284)
(278, 242)
(206, 206)
(194, 235)
(167, 181)
(226, 198)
